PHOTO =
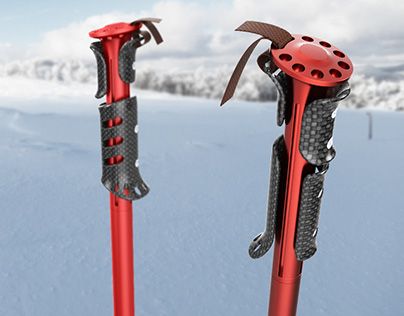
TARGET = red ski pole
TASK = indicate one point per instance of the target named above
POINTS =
(115, 54)
(311, 78)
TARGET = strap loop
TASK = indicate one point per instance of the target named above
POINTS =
(149, 23)
(279, 38)
(277, 35)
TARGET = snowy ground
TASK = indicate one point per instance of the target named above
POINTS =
(208, 172)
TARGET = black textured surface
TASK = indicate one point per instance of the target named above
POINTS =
(98, 51)
(127, 56)
(263, 242)
(122, 179)
(282, 85)
(318, 126)
(309, 211)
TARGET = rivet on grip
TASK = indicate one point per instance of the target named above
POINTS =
(263, 242)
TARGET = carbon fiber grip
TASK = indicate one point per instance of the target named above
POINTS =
(97, 49)
(309, 211)
(263, 242)
(282, 85)
(127, 56)
(318, 125)
(123, 178)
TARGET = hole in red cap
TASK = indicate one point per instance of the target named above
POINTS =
(307, 39)
(325, 44)
(298, 67)
(343, 65)
(317, 74)
(339, 54)
(335, 73)
(285, 57)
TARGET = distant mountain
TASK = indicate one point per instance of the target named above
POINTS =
(376, 87)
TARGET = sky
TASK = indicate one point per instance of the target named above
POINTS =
(36, 17)
(201, 32)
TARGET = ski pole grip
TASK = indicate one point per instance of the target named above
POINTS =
(298, 64)
(115, 55)
(119, 135)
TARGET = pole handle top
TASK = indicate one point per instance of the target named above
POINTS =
(115, 30)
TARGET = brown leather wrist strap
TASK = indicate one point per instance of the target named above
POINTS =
(149, 23)
(279, 38)
(144, 37)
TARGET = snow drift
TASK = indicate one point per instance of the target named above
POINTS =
(208, 170)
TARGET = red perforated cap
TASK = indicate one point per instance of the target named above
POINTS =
(115, 29)
(313, 61)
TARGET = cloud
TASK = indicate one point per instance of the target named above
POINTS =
(7, 50)
(72, 41)
(203, 33)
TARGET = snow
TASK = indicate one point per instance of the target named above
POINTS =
(208, 172)
(372, 87)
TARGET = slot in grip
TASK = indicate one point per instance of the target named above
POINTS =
(121, 178)
(263, 242)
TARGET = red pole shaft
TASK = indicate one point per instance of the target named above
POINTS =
(122, 256)
(121, 209)
(286, 270)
